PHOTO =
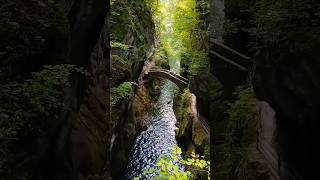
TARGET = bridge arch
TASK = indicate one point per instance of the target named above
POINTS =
(180, 81)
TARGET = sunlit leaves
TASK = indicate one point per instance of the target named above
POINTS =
(181, 35)
(168, 166)
(185, 20)
(119, 45)
(112, 2)
(40, 97)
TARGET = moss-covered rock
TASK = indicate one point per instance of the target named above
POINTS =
(182, 110)
(240, 136)
(191, 134)
(141, 106)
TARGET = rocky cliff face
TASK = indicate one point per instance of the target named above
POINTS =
(284, 74)
(86, 100)
(36, 33)
(289, 82)
(237, 127)
(133, 41)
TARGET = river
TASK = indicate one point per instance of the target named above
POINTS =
(159, 138)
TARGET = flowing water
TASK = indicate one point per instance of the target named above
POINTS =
(159, 138)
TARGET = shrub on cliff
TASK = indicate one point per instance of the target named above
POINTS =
(27, 110)
(241, 133)
(121, 93)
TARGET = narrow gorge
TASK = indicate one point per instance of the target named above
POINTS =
(159, 89)
(157, 138)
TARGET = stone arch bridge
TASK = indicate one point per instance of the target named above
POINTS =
(179, 80)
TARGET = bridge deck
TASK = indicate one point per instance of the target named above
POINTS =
(166, 74)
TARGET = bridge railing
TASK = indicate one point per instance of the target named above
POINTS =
(229, 55)
(170, 72)
(166, 74)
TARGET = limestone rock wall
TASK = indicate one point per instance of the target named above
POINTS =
(134, 28)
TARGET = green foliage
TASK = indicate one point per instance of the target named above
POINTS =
(26, 29)
(199, 63)
(38, 97)
(239, 14)
(122, 93)
(197, 166)
(119, 45)
(116, 58)
(182, 36)
(241, 133)
(131, 36)
(127, 16)
(231, 26)
(185, 22)
(242, 110)
(162, 54)
(112, 2)
(292, 25)
(27, 108)
(181, 108)
(167, 167)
